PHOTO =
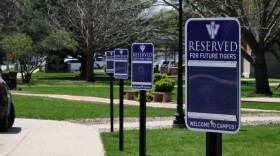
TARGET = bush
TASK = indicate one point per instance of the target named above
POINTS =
(149, 97)
(159, 76)
(164, 85)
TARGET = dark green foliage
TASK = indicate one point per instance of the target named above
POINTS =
(159, 76)
(8, 13)
(164, 85)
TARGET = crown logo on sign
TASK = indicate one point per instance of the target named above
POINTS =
(121, 52)
(142, 47)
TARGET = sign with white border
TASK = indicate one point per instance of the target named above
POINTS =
(110, 61)
(212, 50)
(142, 59)
(121, 64)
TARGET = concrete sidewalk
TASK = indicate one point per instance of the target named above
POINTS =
(30, 137)
(262, 99)
(97, 99)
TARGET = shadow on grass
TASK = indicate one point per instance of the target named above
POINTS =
(99, 78)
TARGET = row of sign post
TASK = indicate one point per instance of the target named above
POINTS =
(142, 57)
(212, 59)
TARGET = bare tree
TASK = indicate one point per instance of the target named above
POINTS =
(165, 24)
(260, 28)
(97, 24)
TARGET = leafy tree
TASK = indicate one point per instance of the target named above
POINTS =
(31, 19)
(58, 41)
(22, 47)
(260, 28)
(8, 12)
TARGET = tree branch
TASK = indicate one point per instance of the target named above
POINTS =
(246, 56)
(172, 5)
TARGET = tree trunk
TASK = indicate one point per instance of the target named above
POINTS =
(262, 84)
(83, 70)
(90, 73)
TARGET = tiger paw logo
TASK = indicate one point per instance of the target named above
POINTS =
(212, 29)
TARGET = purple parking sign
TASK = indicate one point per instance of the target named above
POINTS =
(110, 59)
(213, 74)
(121, 64)
(142, 58)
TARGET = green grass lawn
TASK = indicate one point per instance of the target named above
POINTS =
(90, 90)
(250, 141)
(259, 105)
(57, 109)
(41, 78)
(248, 91)
(69, 83)
(251, 81)
(102, 90)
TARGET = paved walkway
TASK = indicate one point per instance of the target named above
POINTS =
(30, 137)
(261, 99)
(97, 99)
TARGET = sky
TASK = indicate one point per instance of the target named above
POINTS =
(156, 8)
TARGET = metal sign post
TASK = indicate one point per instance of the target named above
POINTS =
(121, 116)
(121, 73)
(142, 140)
(111, 103)
(110, 57)
(213, 78)
(213, 144)
(142, 58)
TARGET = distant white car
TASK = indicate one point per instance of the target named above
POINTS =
(99, 62)
(75, 64)
(166, 63)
